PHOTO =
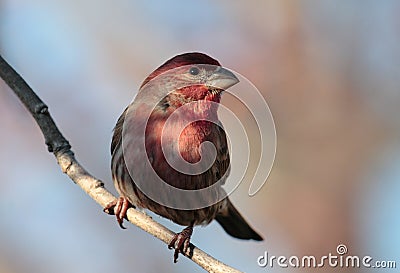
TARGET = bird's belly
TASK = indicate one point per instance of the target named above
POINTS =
(169, 162)
(185, 217)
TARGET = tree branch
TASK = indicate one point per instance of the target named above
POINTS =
(59, 146)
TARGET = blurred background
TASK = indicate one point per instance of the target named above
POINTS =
(329, 70)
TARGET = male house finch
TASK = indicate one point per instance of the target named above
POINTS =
(195, 82)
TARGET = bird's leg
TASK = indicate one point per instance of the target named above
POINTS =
(118, 207)
(181, 241)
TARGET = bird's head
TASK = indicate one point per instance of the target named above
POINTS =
(193, 77)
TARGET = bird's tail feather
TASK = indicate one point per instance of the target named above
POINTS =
(235, 225)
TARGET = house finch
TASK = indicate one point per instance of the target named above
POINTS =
(176, 125)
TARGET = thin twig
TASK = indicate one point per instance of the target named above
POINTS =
(59, 146)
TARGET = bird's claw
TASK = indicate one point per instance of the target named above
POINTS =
(181, 242)
(119, 207)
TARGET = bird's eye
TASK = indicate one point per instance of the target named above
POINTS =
(194, 71)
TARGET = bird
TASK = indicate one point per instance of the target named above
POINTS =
(195, 83)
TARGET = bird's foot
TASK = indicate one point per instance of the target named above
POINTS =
(119, 207)
(181, 242)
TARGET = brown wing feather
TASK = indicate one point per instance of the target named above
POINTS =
(117, 136)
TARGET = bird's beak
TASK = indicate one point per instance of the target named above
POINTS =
(222, 78)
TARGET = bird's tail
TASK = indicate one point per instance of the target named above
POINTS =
(234, 223)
